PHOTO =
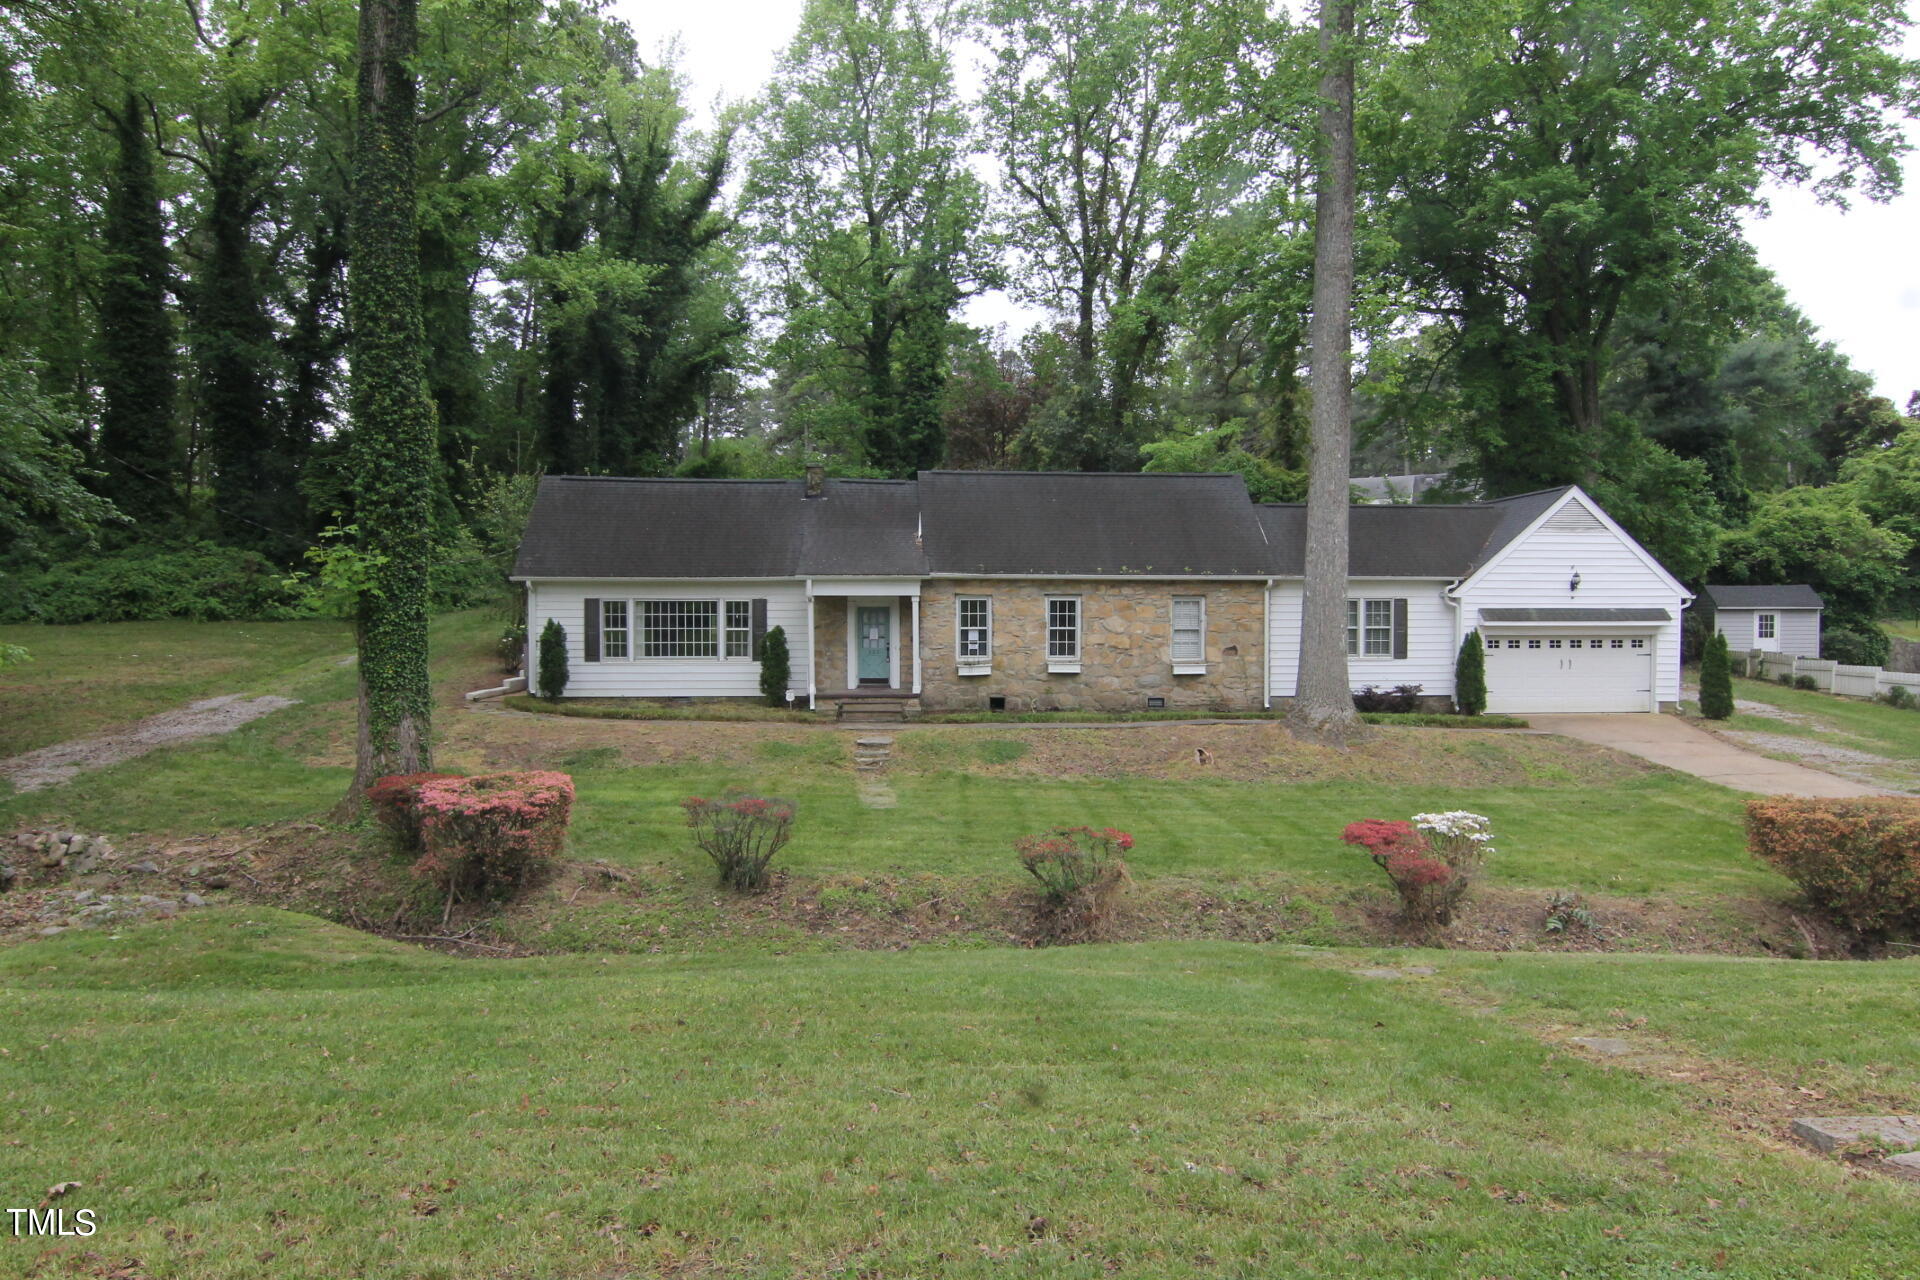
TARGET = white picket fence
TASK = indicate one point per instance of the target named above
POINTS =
(1830, 676)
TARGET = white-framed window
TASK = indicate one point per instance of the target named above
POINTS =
(1766, 625)
(974, 621)
(1063, 628)
(680, 628)
(1189, 630)
(739, 629)
(1370, 628)
(614, 634)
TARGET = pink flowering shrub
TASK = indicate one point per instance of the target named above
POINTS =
(1431, 870)
(1082, 875)
(487, 836)
(393, 797)
(741, 833)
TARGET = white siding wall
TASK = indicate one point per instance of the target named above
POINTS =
(1430, 637)
(666, 677)
(1534, 572)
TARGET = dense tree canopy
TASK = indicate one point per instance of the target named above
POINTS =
(1552, 282)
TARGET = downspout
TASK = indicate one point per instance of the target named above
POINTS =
(1266, 648)
(1459, 625)
(813, 654)
(526, 659)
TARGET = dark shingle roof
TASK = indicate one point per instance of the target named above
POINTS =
(1065, 524)
(1575, 615)
(1410, 541)
(605, 527)
(1795, 595)
(1070, 524)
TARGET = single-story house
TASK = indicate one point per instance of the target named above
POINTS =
(1783, 619)
(964, 590)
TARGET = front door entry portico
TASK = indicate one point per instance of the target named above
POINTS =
(873, 642)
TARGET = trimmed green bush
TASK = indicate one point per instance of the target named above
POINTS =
(553, 660)
(1716, 679)
(1806, 682)
(1856, 647)
(1470, 676)
(776, 667)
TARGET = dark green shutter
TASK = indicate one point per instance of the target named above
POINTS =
(593, 630)
(1399, 628)
(759, 627)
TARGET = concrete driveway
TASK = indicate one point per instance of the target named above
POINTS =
(1671, 741)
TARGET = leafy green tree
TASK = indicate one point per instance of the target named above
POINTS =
(776, 667)
(1885, 484)
(1108, 161)
(1716, 679)
(1221, 450)
(869, 219)
(42, 474)
(1552, 166)
(1470, 676)
(392, 444)
(1823, 538)
(552, 681)
(138, 445)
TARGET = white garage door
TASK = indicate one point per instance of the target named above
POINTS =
(1569, 673)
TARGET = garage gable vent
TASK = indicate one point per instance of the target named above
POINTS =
(1573, 518)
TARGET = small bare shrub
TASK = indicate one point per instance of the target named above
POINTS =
(741, 833)
(1082, 876)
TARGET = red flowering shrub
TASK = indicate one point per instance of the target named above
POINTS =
(1856, 860)
(392, 798)
(1082, 874)
(741, 833)
(486, 836)
(1429, 888)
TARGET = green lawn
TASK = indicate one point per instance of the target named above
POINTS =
(1657, 834)
(1905, 628)
(1848, 1030)
(91, 677)
(1848, 722)
(244, 1093)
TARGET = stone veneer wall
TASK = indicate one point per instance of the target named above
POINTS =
(830, 637)
(1126, 643)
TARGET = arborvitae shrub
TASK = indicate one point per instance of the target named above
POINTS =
(1716, 679)
(1470, 676)
(553, 660)
(776, 667)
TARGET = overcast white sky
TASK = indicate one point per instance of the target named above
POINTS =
(1856, 273)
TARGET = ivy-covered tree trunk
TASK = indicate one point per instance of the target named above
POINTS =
(1322, 708)
(140, 451)
(392, 447)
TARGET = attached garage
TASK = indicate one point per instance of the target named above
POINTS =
(1575, 660)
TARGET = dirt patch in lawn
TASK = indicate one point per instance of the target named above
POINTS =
(210, 717)
(491, 737)
(1266, 752)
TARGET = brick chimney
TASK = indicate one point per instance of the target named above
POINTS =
(816, 481)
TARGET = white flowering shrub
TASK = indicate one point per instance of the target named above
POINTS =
(1458, 837)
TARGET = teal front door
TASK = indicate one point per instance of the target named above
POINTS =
(873, 641)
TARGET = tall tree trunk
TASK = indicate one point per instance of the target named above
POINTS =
(141, 453)
(1322, 708)
(392, 448)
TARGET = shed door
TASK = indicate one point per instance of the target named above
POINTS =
(1569, 673)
